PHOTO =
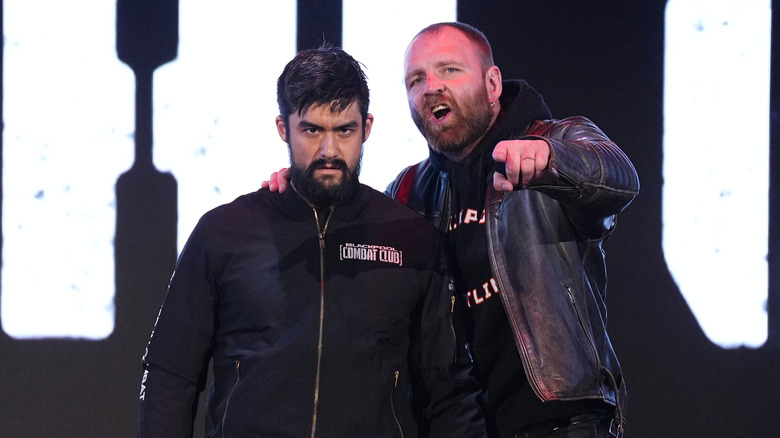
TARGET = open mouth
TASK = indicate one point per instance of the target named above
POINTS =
(440, 111)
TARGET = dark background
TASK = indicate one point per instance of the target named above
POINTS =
(599, 59)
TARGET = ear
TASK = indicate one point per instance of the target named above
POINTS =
(282, 129)
(494, 83)
(367, 127)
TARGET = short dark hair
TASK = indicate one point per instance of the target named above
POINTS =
(472, 33)
(323, 76)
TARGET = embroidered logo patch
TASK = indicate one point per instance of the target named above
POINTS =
(371, 253)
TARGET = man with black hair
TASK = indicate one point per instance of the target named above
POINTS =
(326, 310)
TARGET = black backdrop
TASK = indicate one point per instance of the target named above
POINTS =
(599, 59)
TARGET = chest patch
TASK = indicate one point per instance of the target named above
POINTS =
(371, 253)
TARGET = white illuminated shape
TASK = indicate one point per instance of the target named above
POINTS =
(215, 105)
(68, 115)
(377, 37)
(716, 163)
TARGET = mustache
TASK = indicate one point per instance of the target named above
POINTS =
(436, 99)
(329, 163)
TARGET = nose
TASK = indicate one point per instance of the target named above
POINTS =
(328, 145)
(433, 84)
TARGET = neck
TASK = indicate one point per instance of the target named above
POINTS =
(459, 156)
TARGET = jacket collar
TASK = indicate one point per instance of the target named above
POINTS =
(291, 204)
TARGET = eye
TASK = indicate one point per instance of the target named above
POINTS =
(310, 130)
(414, 82)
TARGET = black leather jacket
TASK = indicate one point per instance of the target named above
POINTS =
(545, 247)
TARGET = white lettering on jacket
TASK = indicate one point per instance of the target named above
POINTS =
(371, 253)
(143, 385)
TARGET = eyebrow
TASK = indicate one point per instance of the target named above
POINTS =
(306, 124)
(438, 64)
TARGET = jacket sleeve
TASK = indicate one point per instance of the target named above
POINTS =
(589, 174)
(167, 405)
(176, 360)
(448, 396)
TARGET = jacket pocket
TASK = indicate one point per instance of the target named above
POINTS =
(230, 395)
(586, 329)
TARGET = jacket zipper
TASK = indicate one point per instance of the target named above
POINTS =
(392, 402)
(452, 330)
(582, 322)
(444, 211)
(570, 177)
(321, 238)
(227, 402)
(532, 378)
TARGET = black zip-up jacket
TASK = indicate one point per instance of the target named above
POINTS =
(545, 245)
(319, 325)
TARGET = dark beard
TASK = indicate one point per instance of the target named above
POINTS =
(322, 195)
(472, 121)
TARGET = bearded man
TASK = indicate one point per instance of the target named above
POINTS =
(527, 202)
(326, 311)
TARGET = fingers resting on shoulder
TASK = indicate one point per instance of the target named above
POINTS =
(278, 181)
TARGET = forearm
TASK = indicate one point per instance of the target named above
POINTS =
(587, 170)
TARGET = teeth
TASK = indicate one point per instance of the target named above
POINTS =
(440, 111)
